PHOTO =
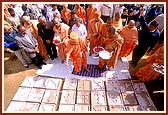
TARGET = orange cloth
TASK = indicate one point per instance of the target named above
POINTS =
(34, 30)
(84, 49)
(80, 12)
(91, 13)
(130, 37)
(117, 24)
(66, 14)
(63, 31)
(73, 49)
(103, 34)
(146, 73)
(94, 29)
(6, 13)
(111, 44)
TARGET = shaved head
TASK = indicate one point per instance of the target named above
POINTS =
(131, 24)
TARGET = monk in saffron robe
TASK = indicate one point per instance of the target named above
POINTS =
(113, 45)
(146, 73)
(80, 12)
(62, 30)
(117, 21)
(32, 25)
(130, 35)
(91, 12)
(76, 52)
(104, 31)
(66, 13)
(94, 29)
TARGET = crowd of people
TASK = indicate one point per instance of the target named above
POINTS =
(30, 31)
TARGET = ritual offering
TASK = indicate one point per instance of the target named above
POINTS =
(105, 54)
(57, 39)
(98, 49)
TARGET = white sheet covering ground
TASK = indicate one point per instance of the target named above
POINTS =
(55, 68)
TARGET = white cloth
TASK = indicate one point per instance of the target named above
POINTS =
(105, 11)
(160, 20)
(50, 15)
(119, 9)
(81, 30)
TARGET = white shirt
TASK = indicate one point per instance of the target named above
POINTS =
(81, 30)
(50, 14)
(105, 11)
(119, 9)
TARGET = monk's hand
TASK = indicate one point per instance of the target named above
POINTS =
(48, 41)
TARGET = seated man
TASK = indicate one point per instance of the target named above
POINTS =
(112, 44)
(146, 73)
(29, 44)
(9, 42)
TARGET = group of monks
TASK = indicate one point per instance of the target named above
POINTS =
(111, 35)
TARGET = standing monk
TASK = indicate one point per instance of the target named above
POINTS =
(80, 12)
(76, 51)
(94, 29)
(130, 35)
(66, 13)
(117, 21)
(32, 25)
(113, 45)
(45, 31)
(104, 31)
(91, 12)
(62, 30)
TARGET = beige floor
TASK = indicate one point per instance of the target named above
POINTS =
(15, 73)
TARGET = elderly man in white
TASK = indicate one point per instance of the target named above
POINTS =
(79, 28)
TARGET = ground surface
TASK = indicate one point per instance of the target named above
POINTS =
(15, 73)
